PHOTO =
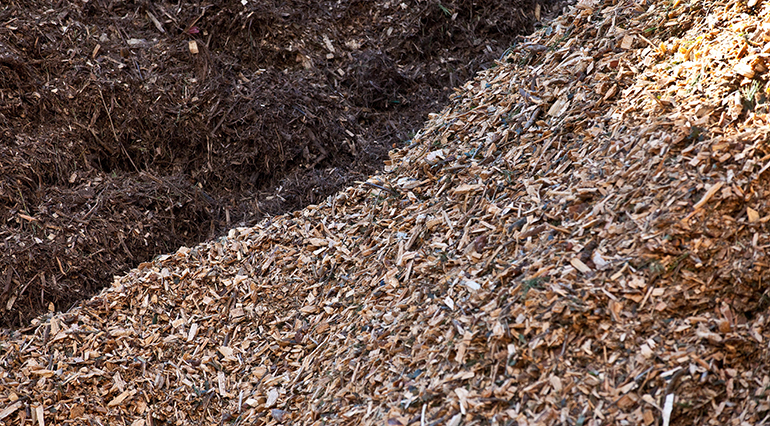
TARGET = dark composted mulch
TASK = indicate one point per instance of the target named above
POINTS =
(120, 143)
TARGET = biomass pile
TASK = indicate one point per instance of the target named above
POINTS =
(578, 239)
(130, 128)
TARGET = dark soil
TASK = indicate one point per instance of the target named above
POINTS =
(120, 143)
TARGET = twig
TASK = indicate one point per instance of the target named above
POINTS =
(115, 134)
(391, 190)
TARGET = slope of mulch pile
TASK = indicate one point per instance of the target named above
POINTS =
(580, 238)
(131, 128)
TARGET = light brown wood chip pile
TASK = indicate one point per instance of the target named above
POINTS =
(578, 240)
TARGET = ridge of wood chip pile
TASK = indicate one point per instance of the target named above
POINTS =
(578, 240)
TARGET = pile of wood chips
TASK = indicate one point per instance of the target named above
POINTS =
(578, 240)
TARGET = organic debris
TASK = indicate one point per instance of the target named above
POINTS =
(576, 240)
(132, 128)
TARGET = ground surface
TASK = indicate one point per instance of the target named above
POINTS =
(120, 143)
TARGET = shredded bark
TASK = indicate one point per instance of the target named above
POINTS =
(131, 128)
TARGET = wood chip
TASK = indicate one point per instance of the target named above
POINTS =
(533, 270)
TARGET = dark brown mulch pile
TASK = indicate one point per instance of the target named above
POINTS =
(119, 142)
